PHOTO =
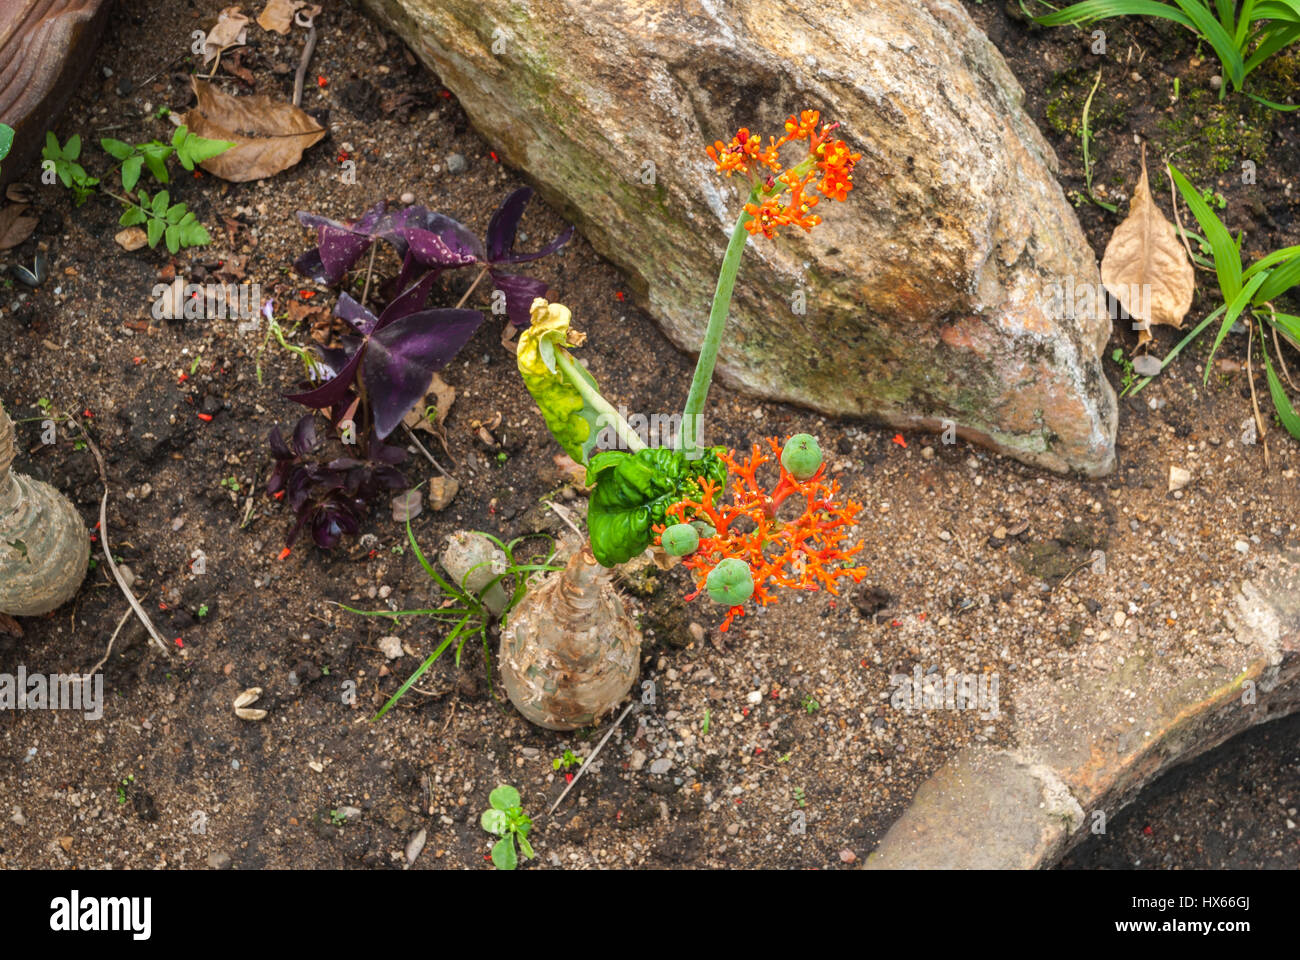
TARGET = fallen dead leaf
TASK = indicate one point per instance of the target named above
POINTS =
(440, 395)
(278, 15)
(132, 238)
(269, 135)
(14, 226)
(230, 30)
(572, 471)
(1144, 254)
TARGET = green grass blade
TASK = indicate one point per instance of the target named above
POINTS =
(1280, 280)
(1102, 9)
(1227, 261)
(1196, 332)
(1239, 303)
(410, 681)
(1224, 46)
(1285, 412)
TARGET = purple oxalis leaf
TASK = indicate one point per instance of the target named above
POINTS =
(338, 245)
(402, 357)
(505, 225)
(520, 293)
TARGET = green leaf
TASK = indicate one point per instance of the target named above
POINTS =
(131, 172)
(72, 149)
(1234, 309)
(504, 797)
(6, 139)
(161, 201)
(634, 491)
(1285, 412)
(131, 216)
(526, 848)
(573, 421)
(193, 234)
(1227, 259)
(494, 822)
(116, 148)
(173, 235)
(175, 212)
(51, 150)
(155, 230)
(503, 853)
(155, 158)
(194, 149)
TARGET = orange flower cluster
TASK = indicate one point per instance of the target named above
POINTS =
(785, 196)
(806, 553)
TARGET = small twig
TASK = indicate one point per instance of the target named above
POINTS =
(104, 659)
(427, 454)
(586, 764)
(301, 75)
(1060, 583)
(481, 274)
(365, 291)
(563, 514)
(1254, 400)
(108, 553)
(1281, 361)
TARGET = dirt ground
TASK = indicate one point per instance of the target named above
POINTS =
(797, 697)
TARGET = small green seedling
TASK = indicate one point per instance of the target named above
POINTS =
(566, 760)
(798, 795)
(337, 818)
(810, 705)
(231, 483)
(203, 610)
(1126, 365)
(123, 786)
(704, 727)
(506, 819)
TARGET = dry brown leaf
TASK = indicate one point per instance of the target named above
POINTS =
(1144, 254)
(14, 227)
(269, 135)
(278, 15)
(440, 395)
(230, 30)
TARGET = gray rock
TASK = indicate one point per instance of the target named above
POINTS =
(457, 164)
(935, 293)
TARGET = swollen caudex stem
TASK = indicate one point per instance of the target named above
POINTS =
(569, 652)
(44, 546)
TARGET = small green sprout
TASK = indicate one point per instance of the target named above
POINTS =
(203, 610)
(122, 787)
(704, 727)
(506, 819)
(566, 760)
(798, 795)
(809, 704)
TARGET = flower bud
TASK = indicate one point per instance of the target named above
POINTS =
(730, 582)
(680, 539)
(801, 456)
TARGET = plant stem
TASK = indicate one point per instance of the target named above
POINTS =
(481, 274)
(626, 434)
(692, 415)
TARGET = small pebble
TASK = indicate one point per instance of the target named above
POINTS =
(407, 198)
(457, 164)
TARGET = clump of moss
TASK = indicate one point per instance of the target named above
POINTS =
(1212, 135)
(1069, 91)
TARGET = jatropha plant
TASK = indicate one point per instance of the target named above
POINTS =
(387, 360)
(674, 497)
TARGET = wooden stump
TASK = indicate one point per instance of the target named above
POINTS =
(45, 48)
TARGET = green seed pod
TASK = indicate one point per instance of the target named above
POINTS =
(730, 582)
(801, 456)
(680, 539)
(704, 528)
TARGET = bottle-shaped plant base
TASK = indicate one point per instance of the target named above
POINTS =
(44, 546)
(570, 653)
